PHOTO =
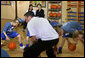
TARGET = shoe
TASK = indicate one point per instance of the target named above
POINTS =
(22, 47)
(60, 50)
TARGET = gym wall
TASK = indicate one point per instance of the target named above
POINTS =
(8, 11)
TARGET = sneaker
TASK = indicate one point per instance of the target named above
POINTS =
(60, 50)
(22, 47)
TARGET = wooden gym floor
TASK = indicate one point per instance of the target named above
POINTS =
(79, 52)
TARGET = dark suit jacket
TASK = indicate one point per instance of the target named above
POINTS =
(40, 13)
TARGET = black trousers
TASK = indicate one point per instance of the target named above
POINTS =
(38, 47)
(24, 25)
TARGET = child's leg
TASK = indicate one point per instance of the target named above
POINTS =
(82, 41)
(62, 41)
(76, 40)
(27, 45)
(19, 37)
(21, 45)
(68, 40)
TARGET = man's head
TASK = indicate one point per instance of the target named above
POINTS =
(28, 16)
(39, 6)
(78, 34)
(15, 23)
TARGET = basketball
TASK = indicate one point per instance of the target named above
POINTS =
(53, 6)
(59, 14)
(72, 47)
(54, 14)
(59, 6)
(50, 14)
(12, 45)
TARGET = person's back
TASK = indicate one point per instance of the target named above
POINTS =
(43, 29)
(70, 26)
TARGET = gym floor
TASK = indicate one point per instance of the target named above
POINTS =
(79, 52)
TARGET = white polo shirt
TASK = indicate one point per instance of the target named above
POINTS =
(41, 28)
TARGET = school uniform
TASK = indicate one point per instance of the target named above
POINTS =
(46, 36)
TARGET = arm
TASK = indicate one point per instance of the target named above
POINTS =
(82, 40)
(5, 29)
(33, 38)
(76, 40)
(6, 36)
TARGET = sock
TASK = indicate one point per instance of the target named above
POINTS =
(60, 48)
(27, 45)
(21, 44)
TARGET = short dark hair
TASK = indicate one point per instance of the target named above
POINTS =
(30, 6)
(39, 4)
(29, 13)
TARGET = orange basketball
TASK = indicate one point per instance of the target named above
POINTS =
(12, 45)
(54, 14)
(53, 6)
(59, 6)
(72, 47)
(59, 14)
(50, 14)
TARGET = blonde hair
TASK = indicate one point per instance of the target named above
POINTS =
(15, 21)
(76, 33)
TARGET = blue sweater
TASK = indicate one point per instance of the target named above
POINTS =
(71, 26)
(8, 28)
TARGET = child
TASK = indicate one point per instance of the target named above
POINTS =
(73, 30)
(8, 32)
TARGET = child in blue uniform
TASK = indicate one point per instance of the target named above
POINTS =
(73, 30)
(9, 33)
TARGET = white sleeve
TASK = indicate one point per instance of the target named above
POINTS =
(30, 27)
(27, 11)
